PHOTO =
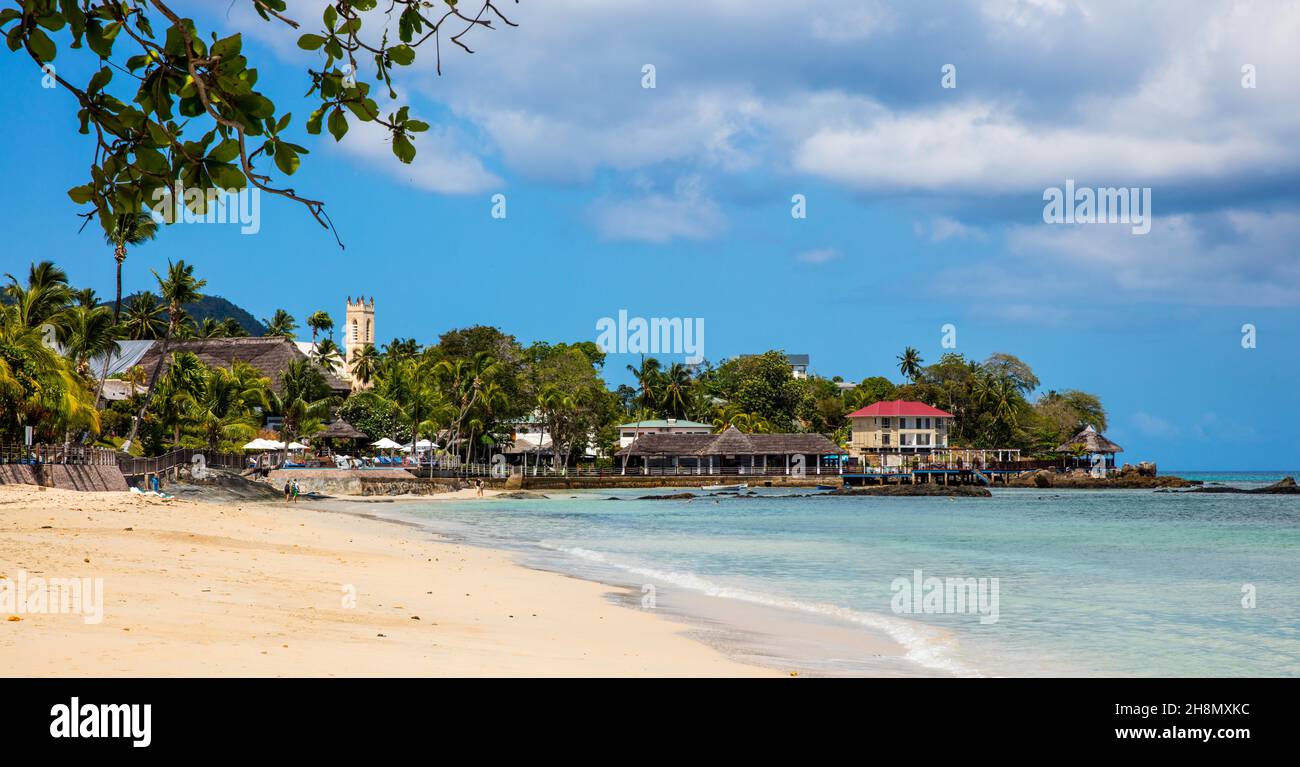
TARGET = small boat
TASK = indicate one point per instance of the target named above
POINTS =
(726, 488)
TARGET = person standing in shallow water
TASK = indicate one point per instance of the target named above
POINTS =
(478, 486)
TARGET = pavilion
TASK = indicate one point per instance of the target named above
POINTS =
(730, 452)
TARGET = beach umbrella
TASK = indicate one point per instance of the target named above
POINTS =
(274, 445)
(297, 446)
(258, 444)
(386, 444)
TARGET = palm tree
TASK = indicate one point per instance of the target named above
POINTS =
(174, 398)
(305, 397)
(144, 318)
(179, 288)
(230, 328)
(328, 355)
(365, 364)
(210, 328)
(909, 363)
(91, 333)
(38, 387)
(675, 386)
(128, 229)
(648, 378)
(44, 300)
(282, 324)
(220, 407)
(319, 322)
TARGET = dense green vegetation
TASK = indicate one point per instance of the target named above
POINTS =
(467, 392)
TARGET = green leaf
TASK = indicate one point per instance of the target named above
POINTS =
(338, 124)
(401, 54)
(286, 160)
(314, 121)
(99, 80)
(416, 126)
(310, 42)
(225, 152)
(228, 47)
(227, 176)
(82, 194)
(366, 109)
(403, 148)
(42, 46)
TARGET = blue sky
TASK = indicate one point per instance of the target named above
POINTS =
(924, 203)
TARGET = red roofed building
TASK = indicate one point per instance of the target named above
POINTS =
(899, 426)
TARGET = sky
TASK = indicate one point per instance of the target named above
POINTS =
(924, 204)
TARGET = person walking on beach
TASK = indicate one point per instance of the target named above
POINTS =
(295, 491)
(154, 484)
(288, 489)
(478, 487)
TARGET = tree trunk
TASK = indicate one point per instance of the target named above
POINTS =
(119, 255)
(148, 394)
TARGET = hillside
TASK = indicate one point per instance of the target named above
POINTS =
(218, 309)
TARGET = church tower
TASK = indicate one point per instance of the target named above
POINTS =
(358, 327)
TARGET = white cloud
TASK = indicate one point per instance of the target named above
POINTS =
(440, 165)
(818, 256)
(660, 218)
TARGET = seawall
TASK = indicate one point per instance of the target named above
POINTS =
(65, 476)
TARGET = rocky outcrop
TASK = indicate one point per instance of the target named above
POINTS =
(1128, 478)
(1285, 486)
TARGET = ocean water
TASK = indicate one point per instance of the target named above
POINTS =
(1118, 582)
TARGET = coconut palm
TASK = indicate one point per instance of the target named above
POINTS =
(648, 378)
(281, 324)
(909, 363)
(305, 398)
(674, 390)
(365, 364)
(144, 318)
(91, 333)
(38, 387)
(328, 355)
(180, 287)
(220, 407)
(128, 229)
(320, 322)
(231, 328)
(43, 300)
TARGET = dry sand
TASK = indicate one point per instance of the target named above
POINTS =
(199, 589)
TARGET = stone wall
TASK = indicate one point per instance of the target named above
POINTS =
(66, 477)
(361, 482)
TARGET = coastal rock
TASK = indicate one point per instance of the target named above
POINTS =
(1134, 479)
(669, 497)
(1284, 486)
(523, 495)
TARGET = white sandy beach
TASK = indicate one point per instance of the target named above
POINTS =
(200, 589)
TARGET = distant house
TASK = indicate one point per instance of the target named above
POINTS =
(628, 432)
(899, 426)
(1092, 451)
(798, 364)
(730, 452)
(269, 355)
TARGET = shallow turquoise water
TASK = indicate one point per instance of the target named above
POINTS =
(1089, 582)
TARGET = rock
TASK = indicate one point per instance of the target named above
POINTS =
(1284, 486)
(523, 495)
(669, 497)
(1042, 479)
(966, 491)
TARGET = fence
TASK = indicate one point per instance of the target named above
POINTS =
(132, 466)
(76, 455)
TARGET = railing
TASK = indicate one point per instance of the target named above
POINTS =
(79, 455)
(132, 466)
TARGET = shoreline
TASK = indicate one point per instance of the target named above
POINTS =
(262, 589)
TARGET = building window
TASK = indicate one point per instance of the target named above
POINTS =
(884, 439)
(884, 422)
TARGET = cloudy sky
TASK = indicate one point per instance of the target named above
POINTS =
(924, 203)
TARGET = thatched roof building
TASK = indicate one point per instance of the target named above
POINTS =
(1091, 442)
(340, 429)
(270, 355)
(731, 442)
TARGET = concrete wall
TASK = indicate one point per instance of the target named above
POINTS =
(71, 477)
(631, 480)
(361, 482)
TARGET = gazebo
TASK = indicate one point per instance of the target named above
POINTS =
(342, 430)
(1092, 451)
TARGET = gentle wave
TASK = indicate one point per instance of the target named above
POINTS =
(925, 646)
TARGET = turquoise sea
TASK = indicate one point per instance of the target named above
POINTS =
(1117, 582)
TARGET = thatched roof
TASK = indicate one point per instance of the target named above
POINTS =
(270, 355)
(1091, 442)
(341, 429)
(730, 442)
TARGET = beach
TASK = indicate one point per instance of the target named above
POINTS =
(268, 589)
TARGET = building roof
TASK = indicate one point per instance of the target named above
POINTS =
(899, 407)
(1091, 442)
(127, 356)
(341, 429)
(270, 355)
(661, 423)
(730, 442)
(797, 359)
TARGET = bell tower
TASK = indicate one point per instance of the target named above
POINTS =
(358, 327)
